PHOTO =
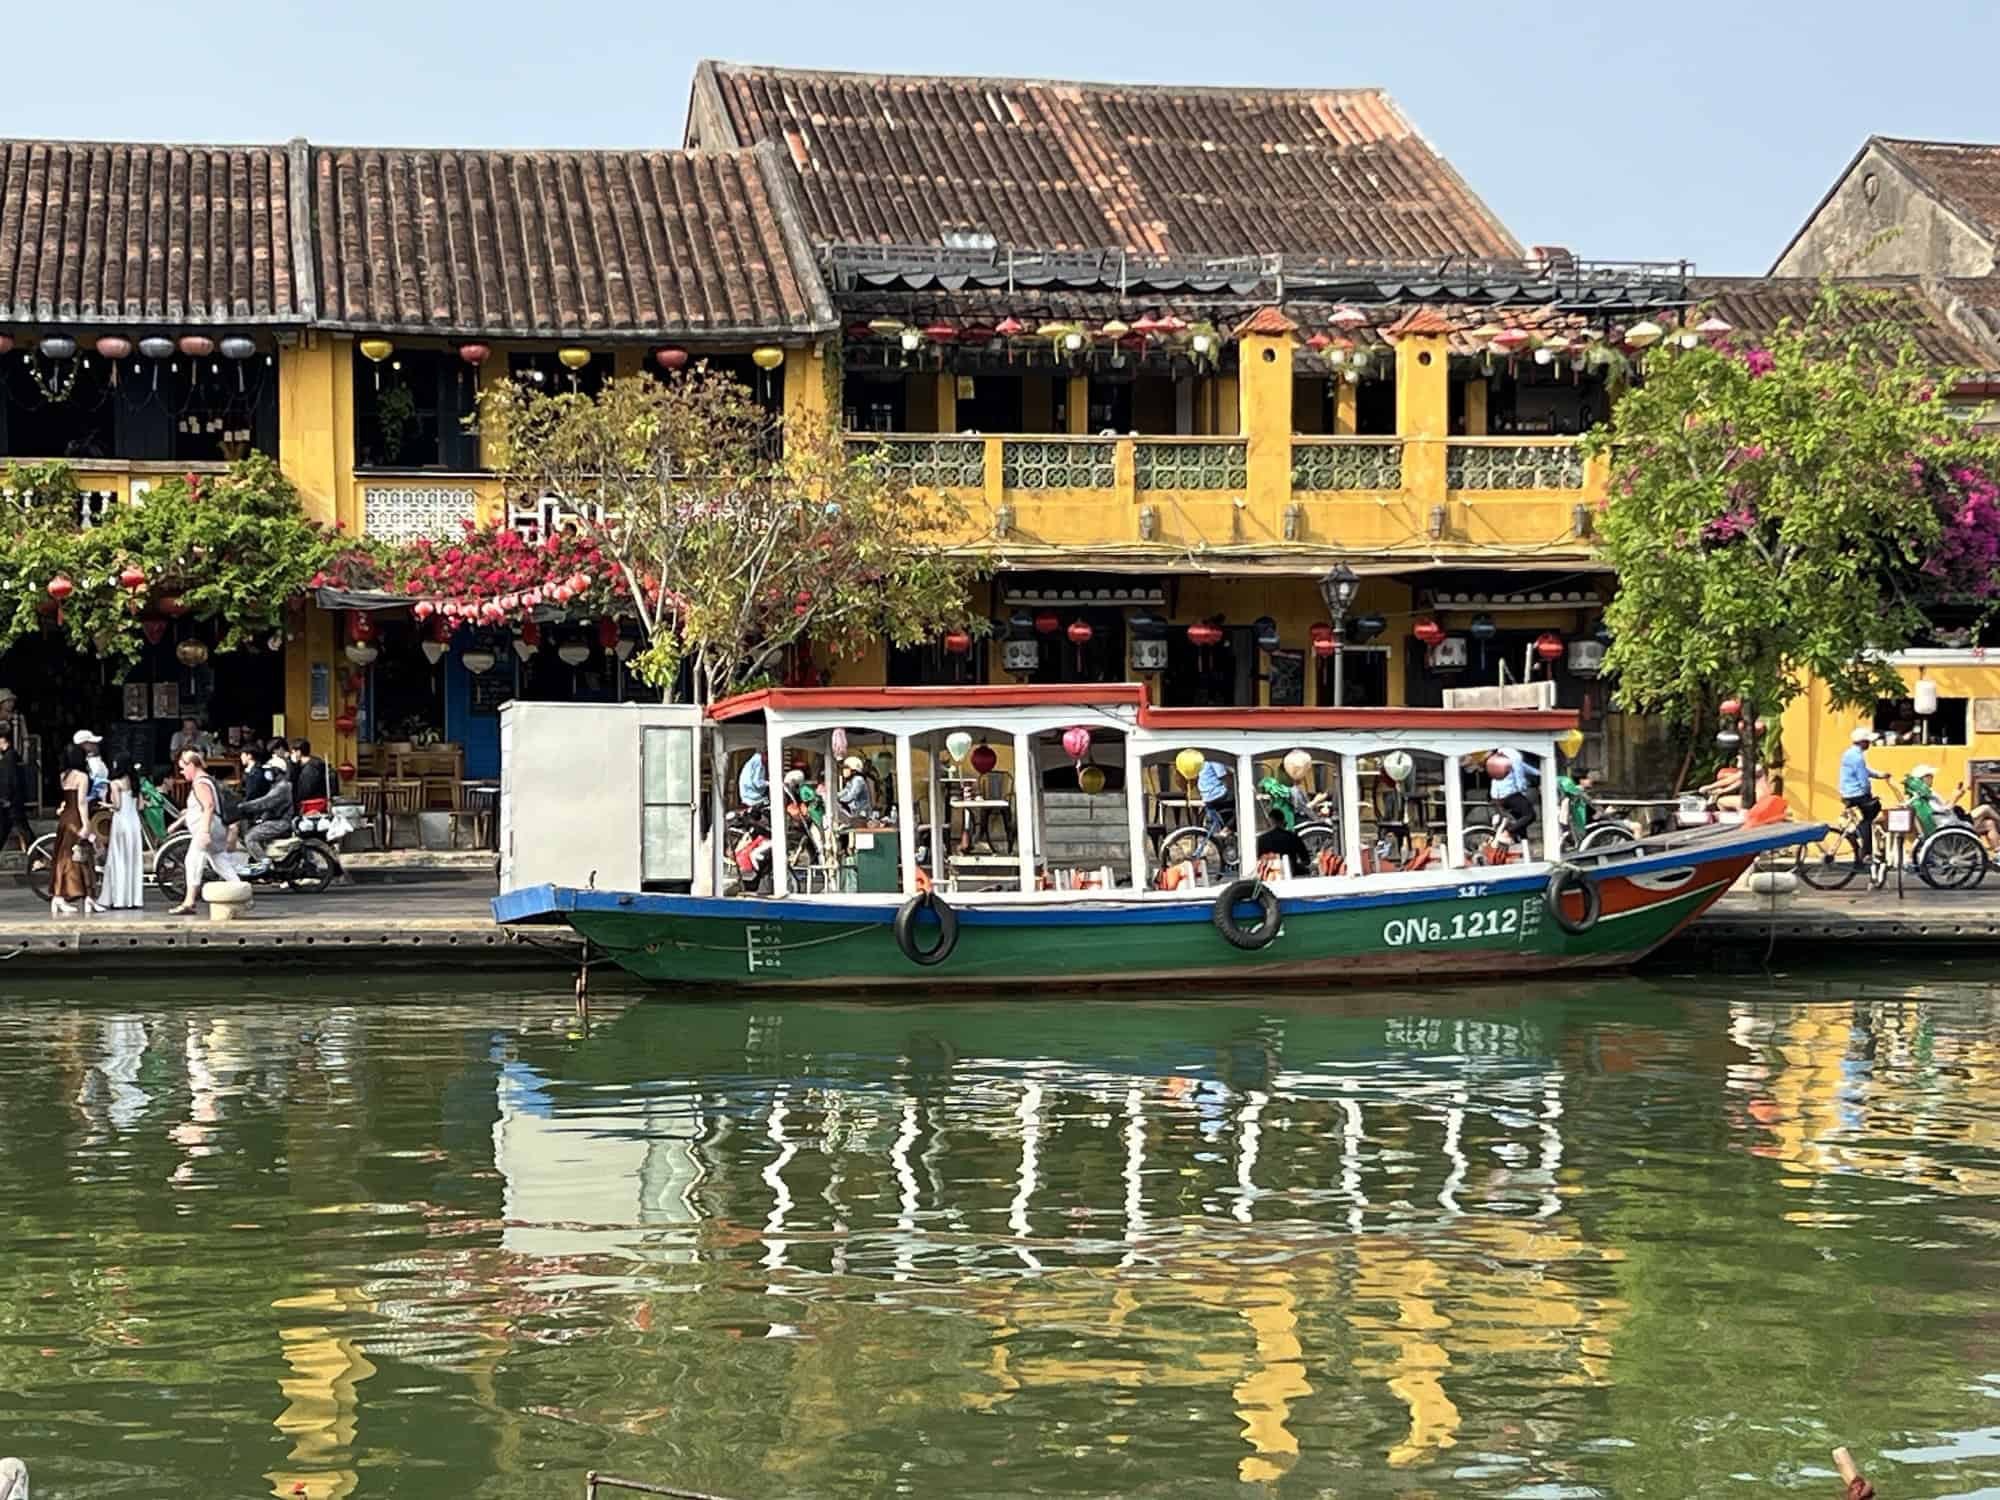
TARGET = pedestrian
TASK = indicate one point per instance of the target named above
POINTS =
(312, 786)
(74, 879)
(125, 851)
(13, 792)
(207, 838)
(268, 816)
(15, 725)
(93, 761)
(1509, 776)
(1855, 789)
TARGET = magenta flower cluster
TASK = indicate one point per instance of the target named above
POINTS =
(1967, 557)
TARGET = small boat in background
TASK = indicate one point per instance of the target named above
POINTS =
(1008, 835)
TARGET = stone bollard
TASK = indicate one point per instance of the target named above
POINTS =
(228, 900)
(1776, 887)
(13, 1479)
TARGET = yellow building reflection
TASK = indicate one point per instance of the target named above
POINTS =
(322, 1414)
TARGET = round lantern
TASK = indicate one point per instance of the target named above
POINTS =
(1298, 765)
(768, 357)
(236, 347)
(1925, 697)
(154, 631)
(1266, 630)
(423, 609)
(1323, 641)
(1090, 780)
(1363, 628)
(474, 354)
(1205, 634)
(670, 359)
(172, 606)
(573, 653)
(1731, 707)
(607, 633)
(1079, 632)
(957, 642)
(1644, 334)
(939, 332)
(983, 759)
(1483, 628)
(58, 347)
(1549, 646)
(192, 653)
(359, 626)
(362, 653)
(112, 347)
(1188, 764)
(372, 350)
(131, 578)
(196, 345)
(1076, 742)
(60, 588)
(478, 661)
(958, 744)
(346, 721)
(572, 357)
(156, 347)
(1047, 622)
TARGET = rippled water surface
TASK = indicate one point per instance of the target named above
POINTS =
(1658, 1237)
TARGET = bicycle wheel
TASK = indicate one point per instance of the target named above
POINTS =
(1192, 846)
(1602, 835)
(1318, 837)
(1952, 859)
(42, 866)
(1831, 863)
(1476, 842)
(170, 868)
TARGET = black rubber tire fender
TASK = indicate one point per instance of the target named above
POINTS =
(1562, 880)
(1223, 914)
(906, 929)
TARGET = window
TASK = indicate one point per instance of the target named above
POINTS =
(930, 665)
(545, 372)
(410, 411)
(177, 409)
(1897, 721)
(666, 813)
(1364, 681)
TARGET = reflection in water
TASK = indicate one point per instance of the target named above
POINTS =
(1621, 1239)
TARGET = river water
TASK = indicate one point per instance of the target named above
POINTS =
(1648, 1237)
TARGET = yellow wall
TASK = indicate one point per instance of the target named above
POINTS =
(1816, 735)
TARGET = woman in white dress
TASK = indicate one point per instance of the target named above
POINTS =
(125, 851)
(207, 838)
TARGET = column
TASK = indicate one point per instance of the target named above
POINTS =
(1423, 401)
(1246, 817)
(947, 401)
(1350, 811)
(1551, 807)
(1026, 810)
(906, 812)
(1454, 813)
(1265, 341)
(1346, 422)
(1135, 810)
(1079, 405)
(774, 777)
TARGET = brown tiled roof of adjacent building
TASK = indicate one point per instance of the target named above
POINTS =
(1151, 169)
(1759, 304)
(125, 234)
(1419, 320)
(1268, 321)
(1966, 175)
(572, 243)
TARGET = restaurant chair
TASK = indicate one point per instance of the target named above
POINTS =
(474, 806)
(400, 799)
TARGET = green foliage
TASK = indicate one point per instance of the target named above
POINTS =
(736, 538)
(1765, 518)
(234, 548)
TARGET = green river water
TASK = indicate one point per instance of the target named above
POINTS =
(1653, 1236)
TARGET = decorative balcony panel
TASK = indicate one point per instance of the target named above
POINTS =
(1034, 464)
(938, 463)
(1347, 466)
(536, 519)
(407, 512)
(1191, 466)
(1513, 466)
(91, 505)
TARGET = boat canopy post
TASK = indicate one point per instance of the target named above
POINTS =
(1350, 811)
(1025, 806)
(1551, 806)
(906, 812)
(940, 835)
(718, 796)
(1246, 816)
(774, 779)
(1454, 813)
(1135, 807)
(829, 828)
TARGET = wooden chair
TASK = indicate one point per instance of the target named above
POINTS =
(475, 805)
(400, 799)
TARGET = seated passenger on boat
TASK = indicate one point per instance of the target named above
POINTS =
(752, 788)
(1278, 843)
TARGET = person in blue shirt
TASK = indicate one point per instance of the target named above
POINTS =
(1213, 788)
(1856, 791)
(1510, 793)
(752, 788)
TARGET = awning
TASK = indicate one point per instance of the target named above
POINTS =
(1294, 563)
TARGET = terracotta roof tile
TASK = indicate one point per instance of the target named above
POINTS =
(123, 233)
(1152, 169)
(1965, 174)
(1758, 304)
(526, 243)
(1266, 320)
(1419, 320)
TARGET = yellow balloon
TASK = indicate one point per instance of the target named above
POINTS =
(573, 358)
(767, 358)
(1189, 764)
(1091, 779)
(1570, 741)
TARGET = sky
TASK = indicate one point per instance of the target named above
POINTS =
(1704, 129)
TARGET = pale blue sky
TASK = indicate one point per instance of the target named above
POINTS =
(1706, 128)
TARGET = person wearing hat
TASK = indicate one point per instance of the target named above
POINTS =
(1855, 789)
(1923, 798)
(857, 796)
(92, 747)
(11, 721)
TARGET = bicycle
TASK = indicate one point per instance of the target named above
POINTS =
(42, 853)
(1832, 863)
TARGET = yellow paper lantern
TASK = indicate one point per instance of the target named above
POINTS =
(767, 358)
(376, 350)
(573, 358)
(1091, 779)
(1189, 764)
(1570, 742)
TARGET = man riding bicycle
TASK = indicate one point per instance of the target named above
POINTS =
(1855, 791)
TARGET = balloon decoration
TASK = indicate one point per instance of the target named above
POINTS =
(1298, 765)
(192, 652)
(1398, 766)
(1570, 741)
(983, 758)
(1188, 764)
(1090, 780)
(958, 744)
(1076, 742)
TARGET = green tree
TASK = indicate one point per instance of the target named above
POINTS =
(1789, 510)
(736, 537)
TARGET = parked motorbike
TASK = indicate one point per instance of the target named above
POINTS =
(303, 862)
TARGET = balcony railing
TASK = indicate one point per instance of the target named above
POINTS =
(1514, 464)
(1322, 465)
(1191, 463)
(1058, 463)
(405, 510)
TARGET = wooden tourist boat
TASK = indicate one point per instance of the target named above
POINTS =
(616, 820)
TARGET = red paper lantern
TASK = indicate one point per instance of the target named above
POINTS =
(941, 332)
(347, 772)
(1047, 623)
(1205, 634)
(1549, 646)
(957, 642)
(440, 629)
(1731, 707)
(60, 588)
(1080, 632)
(531, 633)
(983, 759)
(155, 631)
(1323, 641)
(197, 346)
(474, 354)
(172, 606)
(607, 633)
(670, 359)
(132, 577)
(423, 609)
(346, 721)
(1428, 631)
(359, 626)
(1009, 328)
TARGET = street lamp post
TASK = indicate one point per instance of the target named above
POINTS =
(1337, 590)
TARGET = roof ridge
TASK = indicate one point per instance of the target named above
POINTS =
(876, 75)
(1924, 140)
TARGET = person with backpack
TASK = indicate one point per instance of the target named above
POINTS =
(208, 836)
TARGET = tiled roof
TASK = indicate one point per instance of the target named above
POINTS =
(1152, 169)
(1758, 304)
(1420, 320)
(526, 243)
(1966, 175)
(1268, 321)
(110, 233)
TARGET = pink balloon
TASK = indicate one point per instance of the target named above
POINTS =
(1076, 742)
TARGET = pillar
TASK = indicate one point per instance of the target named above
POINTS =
(1454, 813)
(1350, 812)
(1551, 807)
(906, 812)
(1079, 405)
(1346, 421)
(1135, 809)
(1423, 401)
(807, 399)
(1265, 341)
(1037, 402)
(774, 777)
(1475, 407)
(316, 424)
(947, 401)
(1027, 811)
